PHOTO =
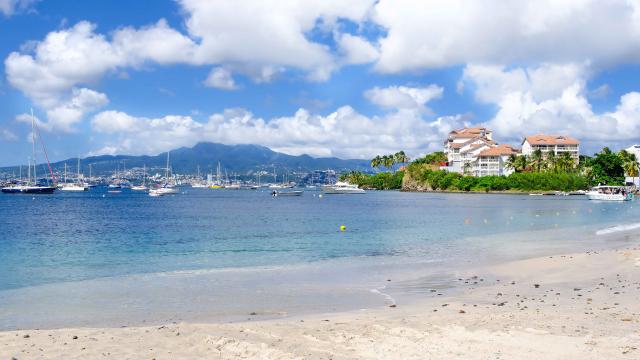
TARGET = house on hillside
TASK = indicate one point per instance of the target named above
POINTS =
(557, 143)
(462, 147)
(493, 161)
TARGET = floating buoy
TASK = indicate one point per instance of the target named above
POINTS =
(486, 221)
(103, 195)
(467, 221)
(320, 196)
(343, 228)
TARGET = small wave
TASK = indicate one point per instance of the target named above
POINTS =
(618, 228)
(388, 299)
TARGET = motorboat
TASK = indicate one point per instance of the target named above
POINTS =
(342, 187)
(609, 193)
(286, 193)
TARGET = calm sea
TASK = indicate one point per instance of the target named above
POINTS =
(100, 258)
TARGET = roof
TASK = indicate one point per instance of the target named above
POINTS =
(542, 139)
(476, 138)
(468, 132)
(498, 151)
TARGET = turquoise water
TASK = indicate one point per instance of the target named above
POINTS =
(230, 244)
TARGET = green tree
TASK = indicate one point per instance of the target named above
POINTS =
(565, 162)
(537, 160)
(551, 161)
(388, 161)
(400, 157)
(522, 163)
(606, 168)
(518, 163)
(629, 164)
(376, 162)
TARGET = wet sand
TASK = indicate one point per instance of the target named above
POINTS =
(574, 306)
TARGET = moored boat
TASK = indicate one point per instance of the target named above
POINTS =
(609, 193)
(342, 187)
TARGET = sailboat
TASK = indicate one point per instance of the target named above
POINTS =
(168, 187)
(77, 186)
(198, 183)
(30, 187)
(143, 186)
(218, 183)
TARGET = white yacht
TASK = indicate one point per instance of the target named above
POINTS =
(609, 193)
(342, 187)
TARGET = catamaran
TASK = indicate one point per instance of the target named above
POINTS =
(31, 185)
(609, 193)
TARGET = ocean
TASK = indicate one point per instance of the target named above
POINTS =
(96, 258)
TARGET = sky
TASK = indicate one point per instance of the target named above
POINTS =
(351, 79)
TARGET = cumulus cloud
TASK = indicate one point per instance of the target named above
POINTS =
(403, 97)
(343, 133)
(68, 113)
(433, 34)
(220, 78)
(356, 50)
(526, 107)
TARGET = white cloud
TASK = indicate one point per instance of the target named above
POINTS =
(8, 135)
(220, 78)
(268, 32)
(526, 107)
(67, 114)
(403, 97)
(9, 7)
(356, 50)
(433, 34)
(343, 133)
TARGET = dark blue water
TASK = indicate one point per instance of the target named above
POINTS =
(78, 236)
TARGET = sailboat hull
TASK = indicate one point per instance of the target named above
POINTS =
(29, 190)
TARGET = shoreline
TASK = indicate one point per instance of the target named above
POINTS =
(581, 305)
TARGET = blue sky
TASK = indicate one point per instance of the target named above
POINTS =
(328, 78)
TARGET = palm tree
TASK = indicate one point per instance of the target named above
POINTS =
(522, 163)
(629, 164)
(466, 169)
(376, 162)
(566, 161)
(551, 161)
(400, 157)
(537, 160)
(511, 162)
(388, 161)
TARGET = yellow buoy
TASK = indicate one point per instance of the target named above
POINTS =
(343, 228)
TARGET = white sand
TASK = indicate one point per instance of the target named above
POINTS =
(586, 306)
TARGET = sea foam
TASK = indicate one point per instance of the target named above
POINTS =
(618, 228)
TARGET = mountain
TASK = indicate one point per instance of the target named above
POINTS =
(238, 159)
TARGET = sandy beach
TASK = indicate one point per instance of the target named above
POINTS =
(574, 306)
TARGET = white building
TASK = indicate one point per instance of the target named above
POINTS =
(493, 160)
(463, 146)
(556, 143)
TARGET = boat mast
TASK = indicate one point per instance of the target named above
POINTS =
(33, 144)
(167, 170)
(78, 170)
(65, 173)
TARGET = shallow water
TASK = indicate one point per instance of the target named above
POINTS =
(111, 259)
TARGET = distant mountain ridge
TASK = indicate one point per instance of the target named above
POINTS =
(238, 159)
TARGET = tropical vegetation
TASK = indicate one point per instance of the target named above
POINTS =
(538, 172)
